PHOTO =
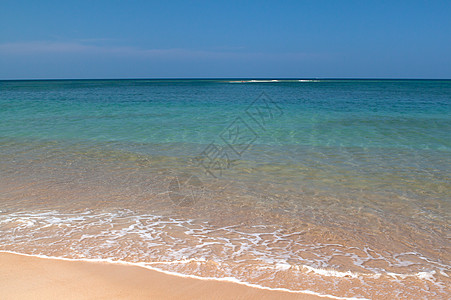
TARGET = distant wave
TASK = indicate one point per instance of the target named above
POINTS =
(273, 80)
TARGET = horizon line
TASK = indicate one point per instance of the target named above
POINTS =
(222, 78)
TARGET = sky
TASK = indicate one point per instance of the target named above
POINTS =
(225, 39)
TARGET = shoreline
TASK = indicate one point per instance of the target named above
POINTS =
(28, 276)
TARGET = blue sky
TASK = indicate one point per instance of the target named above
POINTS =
(256, 39)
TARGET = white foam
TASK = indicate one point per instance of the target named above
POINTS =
(146, 266)
(104, 236)
(334, 273)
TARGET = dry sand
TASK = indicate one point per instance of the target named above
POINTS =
(25, 277)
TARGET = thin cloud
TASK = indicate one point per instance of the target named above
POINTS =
(78, 47)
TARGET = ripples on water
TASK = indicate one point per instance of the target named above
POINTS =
(346, 192)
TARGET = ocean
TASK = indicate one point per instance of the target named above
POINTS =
(333, 187)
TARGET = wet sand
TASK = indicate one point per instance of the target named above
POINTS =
(25, 277)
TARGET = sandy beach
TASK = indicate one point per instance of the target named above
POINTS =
(25, 277)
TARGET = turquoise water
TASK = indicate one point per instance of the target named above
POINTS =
(371, 114)
(359, 128)
(364, 165)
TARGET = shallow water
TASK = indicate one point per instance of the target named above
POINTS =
(340, 187)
